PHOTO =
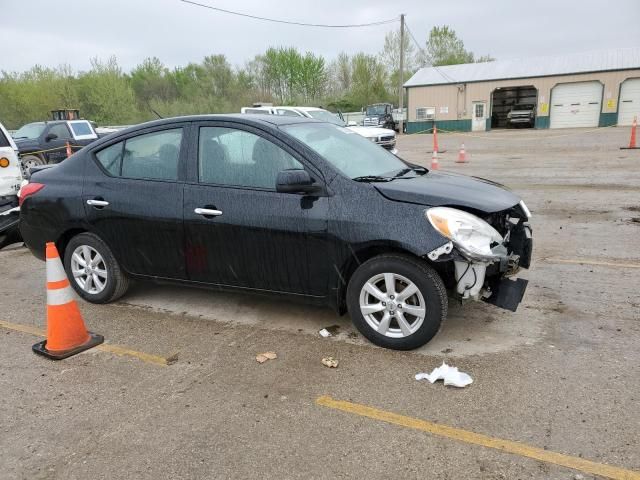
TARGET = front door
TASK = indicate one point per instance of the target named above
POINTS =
(56, 146)
(479, 117)
(239, 231)
(132, 197)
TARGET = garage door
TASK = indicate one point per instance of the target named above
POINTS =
(629, 105)
(576, 105)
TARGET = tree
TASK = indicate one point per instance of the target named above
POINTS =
(444, 48)
(368, 80)
(390, 54)
(485, 58)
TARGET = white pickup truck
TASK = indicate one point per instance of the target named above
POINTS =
(382, 136)
(10, 182)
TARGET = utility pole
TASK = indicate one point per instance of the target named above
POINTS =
(401, 82)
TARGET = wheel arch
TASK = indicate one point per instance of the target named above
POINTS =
(362, 254)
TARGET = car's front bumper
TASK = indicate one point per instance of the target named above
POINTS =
(521, 120)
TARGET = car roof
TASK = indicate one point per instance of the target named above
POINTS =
(252, 119)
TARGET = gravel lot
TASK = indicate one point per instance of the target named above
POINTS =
(561, 374)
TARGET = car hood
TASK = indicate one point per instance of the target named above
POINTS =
(369, 132)
(437, 189)
(25, 144)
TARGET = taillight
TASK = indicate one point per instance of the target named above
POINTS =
(28, 190)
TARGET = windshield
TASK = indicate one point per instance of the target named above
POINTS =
(30, 130)
(326, 116)
(352, 154)
(522, 106)
(376, 109)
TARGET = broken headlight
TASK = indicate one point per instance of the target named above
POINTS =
(473, 237)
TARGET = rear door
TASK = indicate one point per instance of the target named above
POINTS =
(239, 231)
(133, 200)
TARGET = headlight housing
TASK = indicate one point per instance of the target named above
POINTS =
(473, 237)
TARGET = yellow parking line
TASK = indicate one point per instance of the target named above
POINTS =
(466, 436)
(588, 261)
(115, 349)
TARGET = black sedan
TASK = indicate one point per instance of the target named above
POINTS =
(280, 205)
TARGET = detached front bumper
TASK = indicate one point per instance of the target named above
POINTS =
(9, 221)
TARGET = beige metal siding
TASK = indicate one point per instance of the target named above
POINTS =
(458, 99)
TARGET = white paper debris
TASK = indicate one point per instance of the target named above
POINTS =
(451, 376)
(324, 333)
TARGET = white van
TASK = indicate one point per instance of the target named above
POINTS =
(10, 182)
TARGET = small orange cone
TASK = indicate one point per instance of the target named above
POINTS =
(69, 152)
(462, 155)
(66, 332)
(434, 161)
(632, 140)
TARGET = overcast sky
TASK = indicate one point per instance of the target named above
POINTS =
(73, 31)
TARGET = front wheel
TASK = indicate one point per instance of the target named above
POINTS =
(93, 270)
(397, 301)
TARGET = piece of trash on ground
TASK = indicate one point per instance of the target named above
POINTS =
(330, 362)
(263, 357)
(324, 333)
(451, 376)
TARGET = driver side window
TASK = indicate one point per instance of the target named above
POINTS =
(228, 156)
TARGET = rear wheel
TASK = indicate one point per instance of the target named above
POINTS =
(29, 161)
(396, 301)
(93, 270)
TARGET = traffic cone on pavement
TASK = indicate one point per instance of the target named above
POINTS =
(435, 139)
(66, 332)
(434, 161)
(69, 152)
(632, 140)
(462, 155)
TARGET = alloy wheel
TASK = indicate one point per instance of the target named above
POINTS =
(392, 305)
(89, 269)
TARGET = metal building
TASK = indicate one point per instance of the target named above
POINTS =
(599, 88)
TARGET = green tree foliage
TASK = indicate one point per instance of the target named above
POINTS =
(109, 96)
(444, 48)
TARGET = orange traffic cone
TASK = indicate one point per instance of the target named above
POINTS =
(69, 152)
(435, 139)
(434, 161)
(632, 140)
(462, 155)
(66, 333)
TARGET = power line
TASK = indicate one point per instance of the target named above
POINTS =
(448, 78)
(302, 24)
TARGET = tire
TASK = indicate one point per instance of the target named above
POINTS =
(110, 277)
(28, 161)
(430, 294)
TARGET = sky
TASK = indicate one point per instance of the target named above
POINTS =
(73, 31)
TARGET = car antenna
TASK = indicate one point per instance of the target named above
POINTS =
(157, 114)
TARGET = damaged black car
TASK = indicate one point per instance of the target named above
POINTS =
(285, 206)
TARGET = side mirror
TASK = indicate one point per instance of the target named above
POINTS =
(50, 136)
(295, 181)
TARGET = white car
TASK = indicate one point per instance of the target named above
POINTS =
(384, 137)
(10, 182)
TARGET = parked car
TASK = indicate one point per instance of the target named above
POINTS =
(382, 136)
(41, 143)
(283, 205)
(10, 182)
(380, 115)
(522, 114)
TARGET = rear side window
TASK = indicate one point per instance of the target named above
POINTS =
(111, 158)
(80, 128)
(150, 156)
(4, 141)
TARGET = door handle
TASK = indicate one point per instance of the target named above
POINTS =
(97, 203)
(208, 212)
